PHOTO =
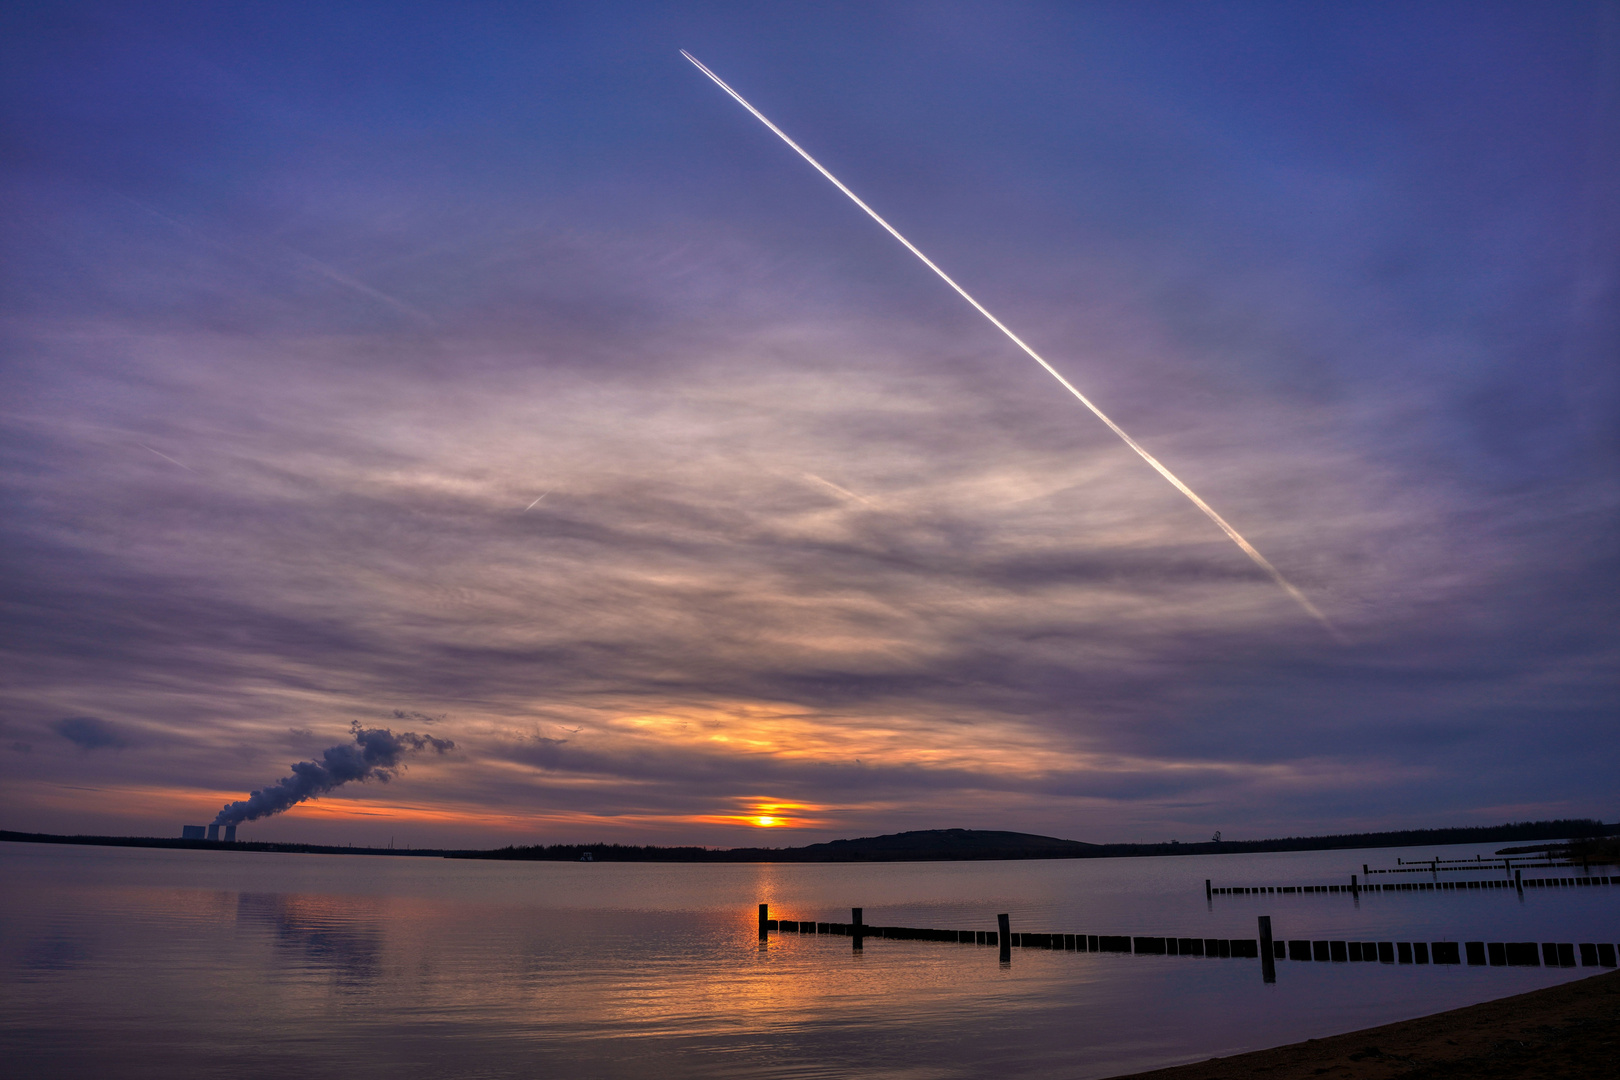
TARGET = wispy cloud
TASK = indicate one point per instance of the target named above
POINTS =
(91, 733)
(668, 493)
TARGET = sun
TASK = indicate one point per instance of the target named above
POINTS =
(765, 814)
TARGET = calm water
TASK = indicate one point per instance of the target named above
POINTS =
(135, 963)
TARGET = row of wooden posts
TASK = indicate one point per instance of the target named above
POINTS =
(1437, 865)
(1518, 882)
(858, 929)
(1267, 949)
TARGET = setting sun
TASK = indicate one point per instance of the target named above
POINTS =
(767, 822)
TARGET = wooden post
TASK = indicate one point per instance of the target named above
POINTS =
(1518, 880)
(1004, 937)
(1207, 892)
(1268, 955)
(1354, 888)
(855, 926)
(764, 917)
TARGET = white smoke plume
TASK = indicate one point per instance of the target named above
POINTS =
(375, 754)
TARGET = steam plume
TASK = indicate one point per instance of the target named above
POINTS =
(376, 754)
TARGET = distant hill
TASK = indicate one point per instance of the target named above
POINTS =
(932, 845)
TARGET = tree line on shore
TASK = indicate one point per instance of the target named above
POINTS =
(941, 845)
(1567, 837)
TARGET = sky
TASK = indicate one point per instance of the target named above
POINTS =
(303, 307)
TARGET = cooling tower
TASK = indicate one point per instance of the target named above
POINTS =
(191, 832)
(213, 832)
(230, 834)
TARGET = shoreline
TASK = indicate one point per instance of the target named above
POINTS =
(1567, 1031)
(927, 845)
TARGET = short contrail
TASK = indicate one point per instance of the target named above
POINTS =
(842, 491)
(310, 262)
(166, 457)
(536, 502)
(1209, 511)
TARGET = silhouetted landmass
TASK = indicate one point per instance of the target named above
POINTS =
(944, 845)
(219, 846)
(1589, 849)
(213, 845)
(1561, 829)
(929, 845)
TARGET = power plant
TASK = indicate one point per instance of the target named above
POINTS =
(207, 832)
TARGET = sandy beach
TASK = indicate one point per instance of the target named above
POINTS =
(1568, 1031)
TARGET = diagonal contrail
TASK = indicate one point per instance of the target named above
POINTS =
(166, 457)
(1236, 537)
(311, 263)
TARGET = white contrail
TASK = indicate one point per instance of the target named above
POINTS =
(239, 250)
(1209, 511)
(166, 457)
(333, 274)
(842, 491)
(536, 502)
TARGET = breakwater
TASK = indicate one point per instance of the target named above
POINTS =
(1103, 943)
(1516, 883)
(1265, 948)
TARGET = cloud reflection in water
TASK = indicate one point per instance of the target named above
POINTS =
(340, 935)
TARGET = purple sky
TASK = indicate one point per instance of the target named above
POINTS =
(304, 305)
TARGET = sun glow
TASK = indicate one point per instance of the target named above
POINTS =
(775, 815)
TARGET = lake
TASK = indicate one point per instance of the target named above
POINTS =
(162, 963)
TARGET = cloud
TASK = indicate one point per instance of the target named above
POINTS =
(802, 510)
(91, 733)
